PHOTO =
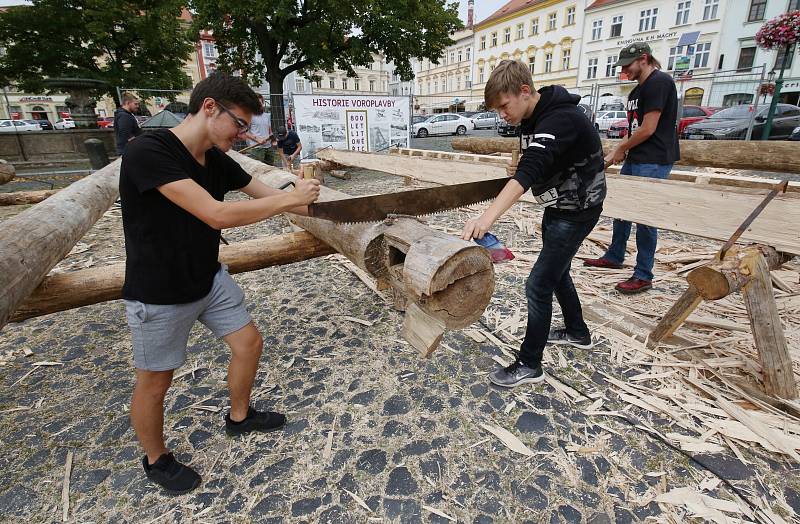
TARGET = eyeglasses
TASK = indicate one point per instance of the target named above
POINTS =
(243, 126)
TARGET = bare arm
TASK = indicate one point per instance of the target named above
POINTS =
(477, 227)
(641, 134)
(258, 189)
(191, 197)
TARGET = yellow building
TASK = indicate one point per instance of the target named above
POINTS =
(545, 34)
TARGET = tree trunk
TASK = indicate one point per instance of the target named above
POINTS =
(34, 241)
(719, 279)
(26, 197)
(277, 112)
(89, 286)
(7, 172)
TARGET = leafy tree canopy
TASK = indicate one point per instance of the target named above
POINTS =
(127, 43)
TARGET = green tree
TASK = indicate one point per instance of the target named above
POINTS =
(126, 43)
(312, 35)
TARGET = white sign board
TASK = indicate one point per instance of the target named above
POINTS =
(357, 123)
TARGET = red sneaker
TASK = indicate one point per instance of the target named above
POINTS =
(633, 285)
(601, 262)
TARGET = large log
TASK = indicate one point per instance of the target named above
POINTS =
(34, 241)
(18, 198)
(705, 211)
(734, 154)
(448, 281)
(720, 278)
(64, 291)
(7, 172)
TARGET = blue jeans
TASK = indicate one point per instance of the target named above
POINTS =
(646, 236)
(550, 274)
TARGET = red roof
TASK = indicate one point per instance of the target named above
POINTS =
(602, 3)
(510, 8)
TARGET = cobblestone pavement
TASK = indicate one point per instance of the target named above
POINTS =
(406, 441)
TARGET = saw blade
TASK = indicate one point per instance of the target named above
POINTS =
(416, 202)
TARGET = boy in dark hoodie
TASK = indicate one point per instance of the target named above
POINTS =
(562, 165)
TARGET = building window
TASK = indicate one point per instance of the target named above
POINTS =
(480, 75)
(611, 69)
(534, 26)
(779, 58)
(616, 26)
(683, 13)
(591, 71)
(318, 84)
(551, 21)
(794, 5)
(452, 56)
(332, 82)
(565, 56)
(483, 42)
(209, 49)
(468, 53)
(494, 40)
(357, 83)
(647, 19)
(299, 85)
(758, 9)
(710, 9)
(571, 15)
(747, 55)
(435, 86)
(548, 62)
(467, 82)
(372, 85)
(531, 63)
(460, 54)
(429, 87)
(597, 29)
(673, 54)
(344, 83)
(458, 83)
(701, 55)
(507, 35)
(520, 31)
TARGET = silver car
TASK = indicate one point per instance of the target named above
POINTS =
(487, 120)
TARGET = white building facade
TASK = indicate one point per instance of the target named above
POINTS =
(447, 86)
(740, 52)
(545, 34)
(370, 80)
(610, 25)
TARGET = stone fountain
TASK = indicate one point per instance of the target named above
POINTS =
(81, 101)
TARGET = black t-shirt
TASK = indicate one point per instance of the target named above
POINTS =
(289, 144)
(657, 93)
(171, 254)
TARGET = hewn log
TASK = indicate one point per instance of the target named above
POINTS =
(454, 288)
(676, 315)
(64, 291)
(34, 241)
(701, 210)
(719, 279)
(7, 172)
(776, 363)
(734, 154)
(26, 197)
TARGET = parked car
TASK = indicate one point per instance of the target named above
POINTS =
(36, 123)
(618, 129)
(694, 114)
(606, 118)
(105, 121)
(732, 123)
(44, 124)
(506, 129)
(486, 120)
(64, 123)
(442, 124)
(11, 126)
(467, 114)
(795, 134)
(416, 119)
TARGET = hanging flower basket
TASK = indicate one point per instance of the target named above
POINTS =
(780, 32)
(766, 89)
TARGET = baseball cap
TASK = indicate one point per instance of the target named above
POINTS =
(281, 132)
(632, 52)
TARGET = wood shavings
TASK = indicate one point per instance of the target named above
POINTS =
(508, 439)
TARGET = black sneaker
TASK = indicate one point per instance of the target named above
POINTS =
(264, 421)
(174, 477)
(515, 375)
(560, 336)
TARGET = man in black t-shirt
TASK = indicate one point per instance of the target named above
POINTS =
(650, 150)
(172, 186)
(126, 127)
(289, 146)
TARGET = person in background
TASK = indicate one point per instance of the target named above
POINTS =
(126, 127)
(289, 147)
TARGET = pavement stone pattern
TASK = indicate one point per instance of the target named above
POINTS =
(406, 430)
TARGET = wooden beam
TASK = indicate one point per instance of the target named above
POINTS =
(776, 363)
(676, 315)
(34, 241)
(720, 278)
(64, 291)
(627, 323)
(699, 210)
(774, 155)
(26, 197)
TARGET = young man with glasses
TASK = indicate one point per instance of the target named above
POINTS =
(172, 186)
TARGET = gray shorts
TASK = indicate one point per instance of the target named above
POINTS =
(160, 332)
